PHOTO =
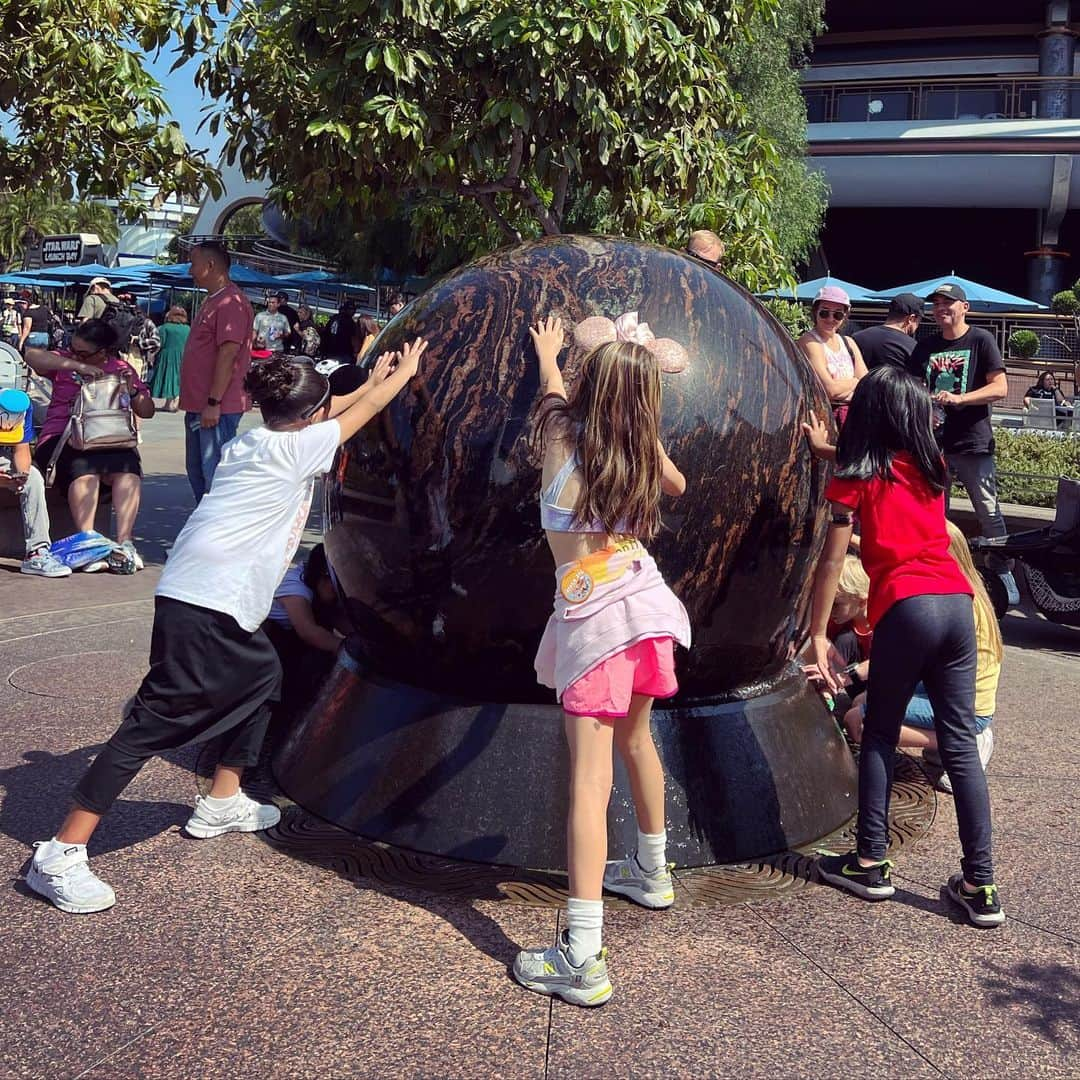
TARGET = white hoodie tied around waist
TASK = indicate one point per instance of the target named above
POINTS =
(616, 615)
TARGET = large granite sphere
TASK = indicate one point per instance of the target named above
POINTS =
(433, 526)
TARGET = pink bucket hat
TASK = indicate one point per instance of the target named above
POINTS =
(834, 294)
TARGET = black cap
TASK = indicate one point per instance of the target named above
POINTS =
(904, 304)
(948, 289)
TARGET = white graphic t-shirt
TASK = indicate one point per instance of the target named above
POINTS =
(236, 546)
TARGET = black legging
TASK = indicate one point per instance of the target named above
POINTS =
(932, 639)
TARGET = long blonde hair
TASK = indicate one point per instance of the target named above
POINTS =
(984, 610)
(612, 419)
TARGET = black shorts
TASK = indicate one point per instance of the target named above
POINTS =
(72, 463)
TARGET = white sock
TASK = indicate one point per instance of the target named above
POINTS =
(52, 848)
(584, 925)
(651, 850)
(219, 804)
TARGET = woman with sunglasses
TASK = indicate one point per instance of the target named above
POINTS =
(213, 671)
(81, 473)
(836, 359)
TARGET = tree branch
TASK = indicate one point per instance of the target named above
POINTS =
(508, 230)
(558, 201)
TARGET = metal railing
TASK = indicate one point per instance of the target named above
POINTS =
(258, 253)
(958, 98)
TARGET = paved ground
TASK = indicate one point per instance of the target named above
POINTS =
(227, 957)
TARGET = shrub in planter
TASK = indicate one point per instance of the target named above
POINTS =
(1065, 302)
(1034, 454)
(1024, 344)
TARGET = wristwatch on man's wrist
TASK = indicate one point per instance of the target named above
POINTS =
(213, 401)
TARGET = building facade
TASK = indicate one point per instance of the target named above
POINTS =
(949, 136)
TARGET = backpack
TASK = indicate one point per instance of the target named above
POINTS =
(126, 319)
(101, 419)
(12, 369)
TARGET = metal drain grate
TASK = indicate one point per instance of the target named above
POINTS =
(302, 836)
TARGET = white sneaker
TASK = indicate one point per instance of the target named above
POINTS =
(241, 815)
(649, 888)
(94, 567)
(62, 874)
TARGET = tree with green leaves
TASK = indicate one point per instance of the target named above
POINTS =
(27, 216)
(484, 121)
(82, 114)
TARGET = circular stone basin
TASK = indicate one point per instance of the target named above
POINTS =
(108, 675)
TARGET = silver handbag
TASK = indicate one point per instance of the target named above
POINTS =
(101, 416)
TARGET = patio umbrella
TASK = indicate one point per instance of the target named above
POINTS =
(981, 297)
(807, 291)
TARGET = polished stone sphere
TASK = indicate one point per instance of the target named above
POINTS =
(433, 527)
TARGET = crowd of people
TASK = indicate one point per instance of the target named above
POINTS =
(899, 621)
(197, 368)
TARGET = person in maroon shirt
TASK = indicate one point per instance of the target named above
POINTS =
(216, 358)
(891, 473)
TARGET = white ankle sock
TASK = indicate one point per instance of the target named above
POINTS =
(219, 804)
(52, 848)
(584, 925)
(651, 850)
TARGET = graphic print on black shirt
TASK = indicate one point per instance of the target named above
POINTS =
(961, 366)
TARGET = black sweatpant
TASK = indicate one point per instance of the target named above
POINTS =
(932, 639)
(208, 676)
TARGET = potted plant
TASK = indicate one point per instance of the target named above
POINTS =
(1023, 344)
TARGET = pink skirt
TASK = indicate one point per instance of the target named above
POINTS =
(646, 667)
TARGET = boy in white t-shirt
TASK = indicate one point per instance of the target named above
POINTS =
(213, 670)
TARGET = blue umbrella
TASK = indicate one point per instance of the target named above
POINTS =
(180, 273)
(807, 290)
(981, 297)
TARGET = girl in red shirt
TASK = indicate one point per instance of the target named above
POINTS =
(891, 473)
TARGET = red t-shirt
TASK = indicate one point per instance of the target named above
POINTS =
(224, 316)
(905, 548)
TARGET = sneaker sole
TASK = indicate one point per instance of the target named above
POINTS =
(984, 922)
(66, 905)
(207, 832)
(41, 573)
(587, 999)
(653, 901)
(876, 892)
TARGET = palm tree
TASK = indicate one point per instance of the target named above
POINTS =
(25, 217)
(89, 216)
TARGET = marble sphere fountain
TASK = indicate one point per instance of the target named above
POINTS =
(432, 732)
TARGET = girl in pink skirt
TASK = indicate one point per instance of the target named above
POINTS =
(608, 649)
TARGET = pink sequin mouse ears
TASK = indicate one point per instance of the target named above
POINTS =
(599, 330)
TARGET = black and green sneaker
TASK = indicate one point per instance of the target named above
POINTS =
(869, 882)
(983, 906)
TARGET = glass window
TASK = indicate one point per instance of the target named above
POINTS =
(890, 105)
(852, 107)
(816, 103)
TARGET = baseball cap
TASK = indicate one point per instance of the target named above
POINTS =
(834, 294)
(906, 303)
(950, 290)
(101, 281)
(9, 299)
(281, 295)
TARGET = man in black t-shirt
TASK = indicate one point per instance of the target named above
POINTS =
(964, 370)
(893, 341)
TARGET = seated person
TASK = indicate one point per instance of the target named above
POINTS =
(81, 473)
(18, 474)
(849, 629)
(918, 730)
(1046, 389)
(301, 627)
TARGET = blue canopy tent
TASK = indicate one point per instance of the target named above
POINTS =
(807, 291)
(180, 274)
(981, 297)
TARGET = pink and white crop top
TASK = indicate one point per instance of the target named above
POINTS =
(555, 518)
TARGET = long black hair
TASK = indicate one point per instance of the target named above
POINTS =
(286, 390)
(890, 413)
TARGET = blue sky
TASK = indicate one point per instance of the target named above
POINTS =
(185, 101)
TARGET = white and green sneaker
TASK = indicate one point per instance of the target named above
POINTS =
(649, 888)
(549, 971)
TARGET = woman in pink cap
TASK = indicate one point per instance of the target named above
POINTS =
(835, 358)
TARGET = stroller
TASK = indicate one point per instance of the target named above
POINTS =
(1048, 557)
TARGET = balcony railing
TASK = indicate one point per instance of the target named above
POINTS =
(968, 98)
